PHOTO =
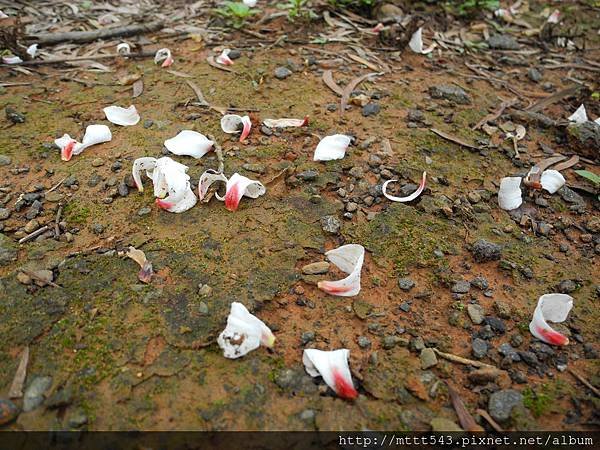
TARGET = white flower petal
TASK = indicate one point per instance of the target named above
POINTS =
(409, 198)
(66, 144)
(123, 48)
(239, 186)
(122, 116)
(170, 178)
(332, 147)
(333, 367)
(148, 164)
(11, 60)
(284, 123)
(244, 332)
(94, 134)
(348, 258)
(223, 58)
(189, 143)
(552, 180)
(3, 15)
(206, 180)
(164, 55)
(250, 3)
(509, 195)
(554, 17)
(579, 116)
(416, 43)
(555, 308)
(146, 272)
(32, 50)
(232, 123)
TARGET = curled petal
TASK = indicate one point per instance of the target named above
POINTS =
(190, 143)
(554, 17)
(170, 177)
(411, 197)
(123, 48)
(377, 28)
(94, 134)
(66, 144)
(244, 332)
(579, 116)
(552, 180)
(224, 59)
(122, 116)
(32, 50)
(284, 123)
(332, 147)
(554, 308)
(148, 164)
(206, 180)
(416, 43)
(164, 55)
(333, 367)
(11, 60)
(509, 195)
(348, 258)
(239, 186)
(146, 272)
(232, 123)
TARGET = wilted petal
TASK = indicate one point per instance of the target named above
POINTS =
(232, 123)
(333, 367)
(164, 55)
(11, 60)
(224, 59)
(32, 50)
(250, 3)
(172, 186)
(3, 15)
(148, 164)
(332, 147)
(554, 17)
(189, 143)
(244, 332)
(377, 28)
(122, 116)
(552, 180)
(123, 48)
(146, 272)
(284, 123)
(206, 180)
(555, 308)
(509, 195)
(416, 43)
(579, 116)
(348, 258)
(66, 144)
(409, 198)
(94, 134)
(239, 186)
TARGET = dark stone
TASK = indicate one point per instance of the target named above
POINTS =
(453, 93)
(480, 283)
(486, 251)
(308, 175)
(406, 284)
(282, 73)
(234, 54)
(502, 403)
(534, 75)
(529, 358)
(461, 287)
(8, 411)
(479, 348)
(13, 115)
(496, 324)
(371, 109)
(123, 189)
(331, 224)
(567, 286)
(364, 342)
(503, 42)
(306, 337)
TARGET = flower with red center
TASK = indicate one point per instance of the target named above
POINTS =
(333, 367)
(239, 186)
(349, 258)
(554, 308)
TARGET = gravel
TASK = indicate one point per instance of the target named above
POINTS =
(502, 403)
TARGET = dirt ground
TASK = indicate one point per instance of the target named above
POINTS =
(125, 355)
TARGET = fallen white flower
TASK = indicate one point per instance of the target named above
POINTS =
(555, 308)
(348, 258)
(32, 50)
(206, 180)
(146, 272)
(579, 116)
(416, 43)
(11, 60)
(189, 143)
(170, 181)
(224, 58)
(552, 180)
(239, 186)
(509, 195)
(285, 123)
(244, 332)
(409, 198)
(123, 48)
(332, 147)
(250, 3)
(164, 55)
(232, 123)
(333, 367)
(122, 116)
(3, 15)
(554, 17)
(94, 134)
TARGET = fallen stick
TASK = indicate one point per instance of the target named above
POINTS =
(451, 138)
(16, 388)
(80, 37)
(483, 413)
(35, 234)
(461, 360)
(43, 62)
(493, 116)
(585, 382)
(55, 186)
(464, 416)
(40, 279)
(551, 99)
